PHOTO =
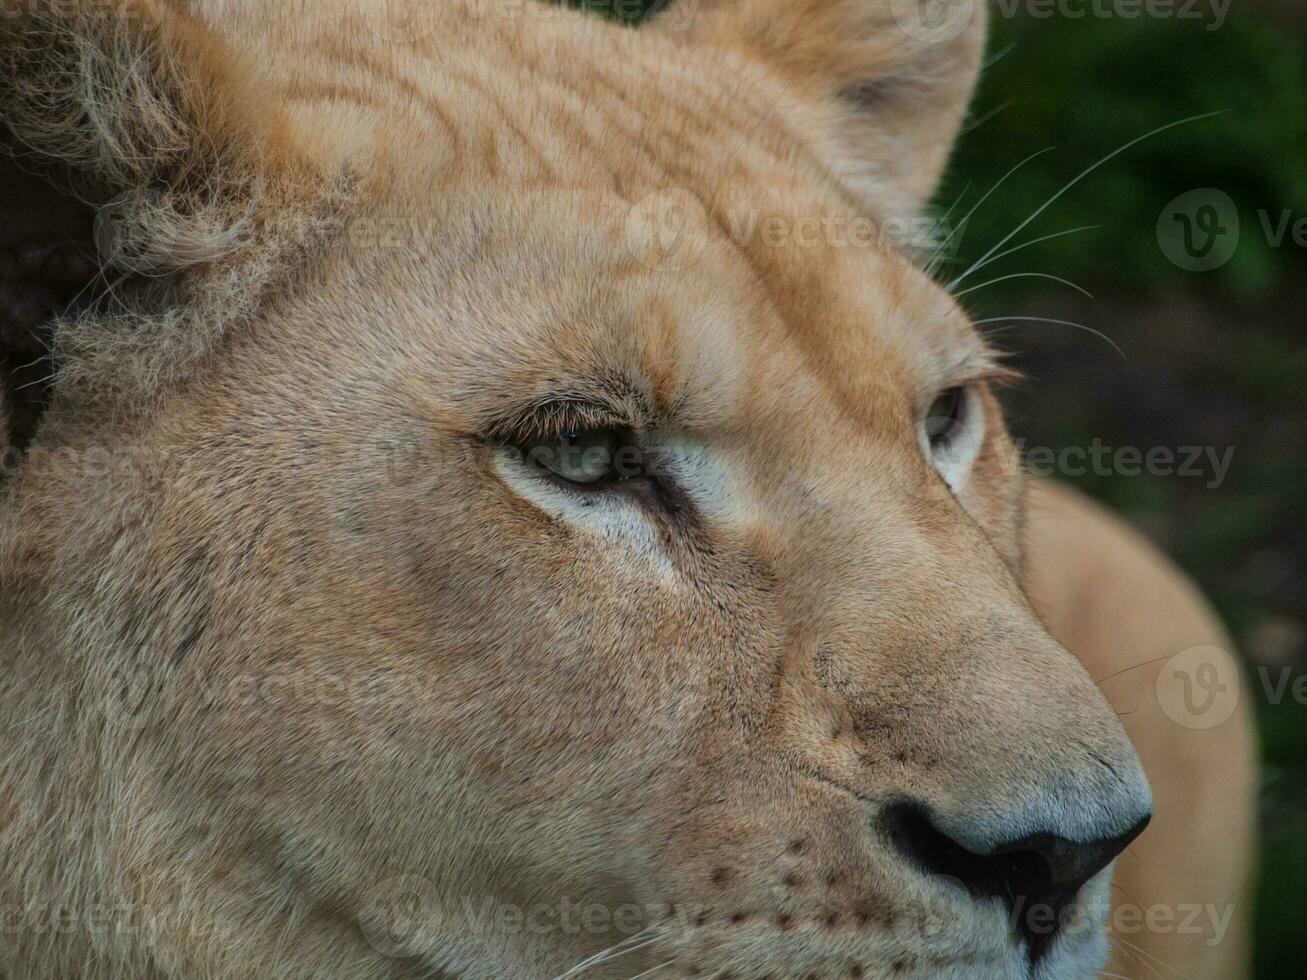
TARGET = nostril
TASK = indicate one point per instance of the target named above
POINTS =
(1037, 876)
(1003, 875)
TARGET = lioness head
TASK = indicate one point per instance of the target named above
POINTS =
(505, 503)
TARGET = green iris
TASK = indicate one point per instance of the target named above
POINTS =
(587, 457)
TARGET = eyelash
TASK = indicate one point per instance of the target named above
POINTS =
(544, 420)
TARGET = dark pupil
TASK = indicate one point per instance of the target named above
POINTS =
(944, 414)
(589, 456)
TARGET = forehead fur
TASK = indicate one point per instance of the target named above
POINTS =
(540, 165)
(220, 134)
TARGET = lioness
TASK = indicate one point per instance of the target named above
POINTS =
(440, 539)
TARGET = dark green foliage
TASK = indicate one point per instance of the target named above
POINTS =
(1085, 87)
(1213, 358)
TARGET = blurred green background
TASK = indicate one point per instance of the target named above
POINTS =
(1214, 358)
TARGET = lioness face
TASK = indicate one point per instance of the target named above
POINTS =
(518, 579)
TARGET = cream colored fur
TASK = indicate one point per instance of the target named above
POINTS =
(303, 676)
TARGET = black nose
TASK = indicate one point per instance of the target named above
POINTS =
(1038, 876)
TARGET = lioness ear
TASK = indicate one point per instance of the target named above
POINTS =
(890, 78)
(140, 173)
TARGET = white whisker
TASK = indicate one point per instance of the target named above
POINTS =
(956, 201)
(1072, 183)
(975, 124)
(1017, 248)
(1045, 319)
(653, 970)
(998, 55)
(628, 945)
(1026, 275)
(1149, 958)
(939, 249)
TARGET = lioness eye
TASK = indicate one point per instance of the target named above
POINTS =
(946, 418)
(952, 433)
(589, 457)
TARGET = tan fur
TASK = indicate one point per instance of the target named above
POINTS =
(1125, 612)
(303, 673)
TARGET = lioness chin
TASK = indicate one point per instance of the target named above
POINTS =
(500, 500)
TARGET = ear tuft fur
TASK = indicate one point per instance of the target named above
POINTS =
(145, 118)
(892, 82)
(134, 104)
